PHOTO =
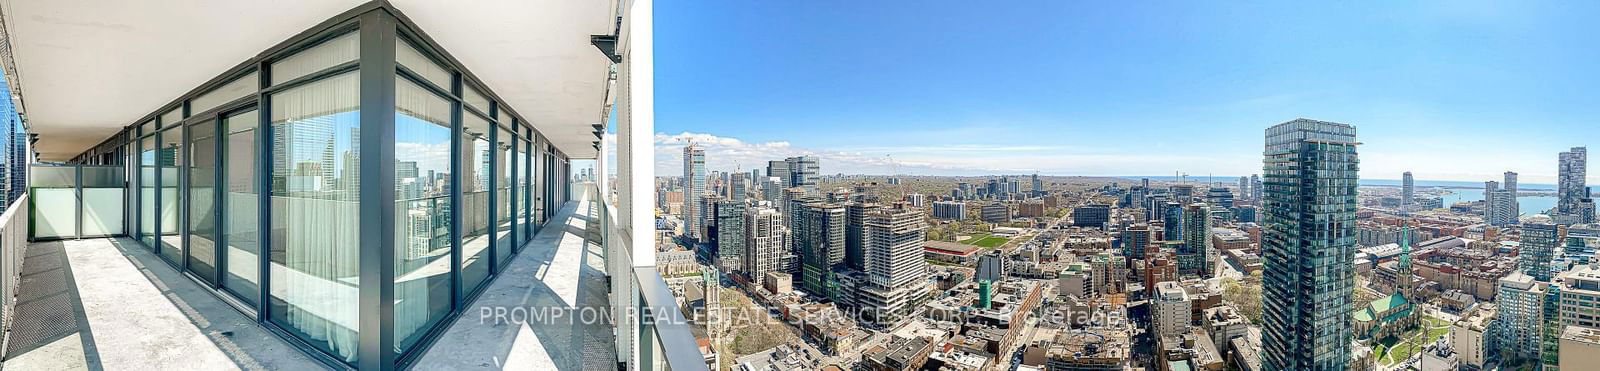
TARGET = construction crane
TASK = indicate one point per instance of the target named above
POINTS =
(894, 174)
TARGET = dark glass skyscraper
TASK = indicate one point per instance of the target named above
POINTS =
(1308, 245)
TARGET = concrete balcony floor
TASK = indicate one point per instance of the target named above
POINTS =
(109, 304)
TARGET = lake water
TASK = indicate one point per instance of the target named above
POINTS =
(1528, 204)
(1460, 191)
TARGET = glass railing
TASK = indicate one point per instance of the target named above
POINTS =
(13, 239)
(651, 331)
(83, 201)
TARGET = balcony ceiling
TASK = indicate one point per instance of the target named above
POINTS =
(88, 68)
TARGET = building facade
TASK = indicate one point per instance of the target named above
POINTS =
(820, 241)
(1308, 245)
(950, 210)
(1197, 257)
(694, 188)
(1572, 168)
(897, 274)
(764, 245)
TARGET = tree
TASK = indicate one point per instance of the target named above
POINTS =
(1245, 295)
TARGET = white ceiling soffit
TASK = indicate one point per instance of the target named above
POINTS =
(88, 68)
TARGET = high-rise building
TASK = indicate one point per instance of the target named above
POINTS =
(1308, 245)
(1244, 187)
(1197, 256)
(917, 199)
(896, 271)
(1540, 238)
(1519, 323)
(1170, 309)
(779, 169)
(1408, 190)
(1136, 241)
(803, 171)
(772, 191)
(1511, 189)
(1220, 196)
(1255, 188)
(855, 233)
(1172, 218)
(950, 210)
(995, 213)
(730, 218)
(764, 241)
(1570, 189)
(1498, 204)
(738, 186)
(1091, 215)
(820, 241)
(694, 188)
(1038, 185)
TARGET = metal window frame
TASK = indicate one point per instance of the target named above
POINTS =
(382, 26)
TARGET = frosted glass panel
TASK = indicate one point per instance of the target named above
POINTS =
(52, 176)
(320, 57)
(475, 99)
(171, 117)
(238, 88)
(102, 211)
(51, 221)
(421, 65)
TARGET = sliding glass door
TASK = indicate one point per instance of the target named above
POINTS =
(422, 211)
(202, 194)
(315, 215)
(475, 219)
(147, 191)
(170, 159)
(240, 207)
(503, 196)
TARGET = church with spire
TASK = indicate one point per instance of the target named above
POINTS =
(1393, 314)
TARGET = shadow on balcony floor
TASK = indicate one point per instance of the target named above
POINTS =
(541, 313)
(110, 304)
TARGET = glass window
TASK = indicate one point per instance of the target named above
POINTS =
(475, 221)
(524, 193)
(420, 64)
(170, 159)
(505, 164)
(147, 127)
(172, 117)
(475, 99)
(239, 216)
(314, 210)
(202, 196)
(147, 191)
(541, 186)
(422, 212)
(238, 88)
(316, 58)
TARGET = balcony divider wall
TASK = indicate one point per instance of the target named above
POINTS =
(351, 188)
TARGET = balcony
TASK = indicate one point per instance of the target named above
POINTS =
(352, 196)
(112, 303)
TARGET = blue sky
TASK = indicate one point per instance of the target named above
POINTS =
(1450, 90)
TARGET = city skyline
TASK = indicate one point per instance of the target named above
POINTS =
(732, 155)
(1459, 92)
